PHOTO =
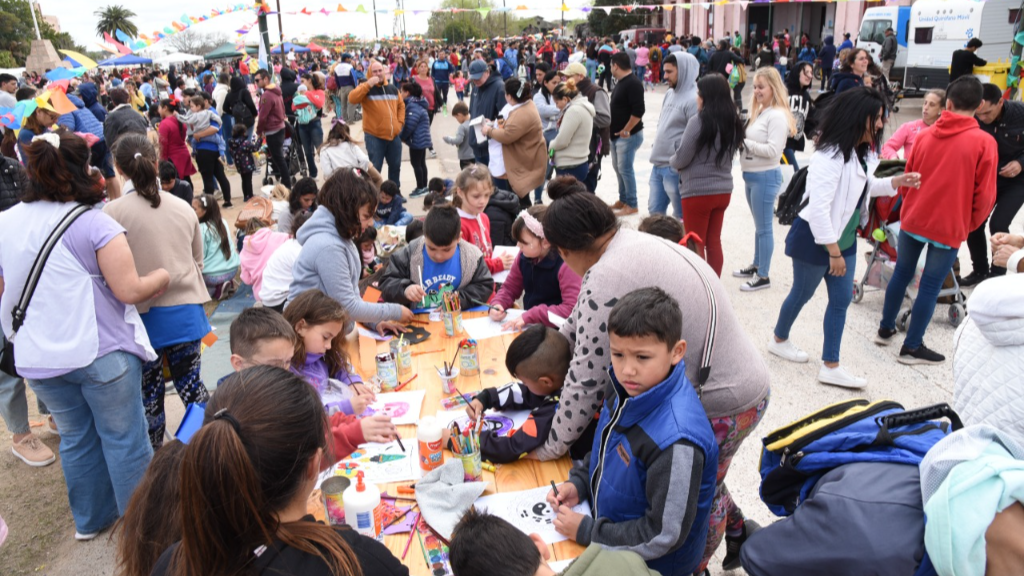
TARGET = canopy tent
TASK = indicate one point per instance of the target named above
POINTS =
(315, 47)
(176, 58)
(288, 47)
(126, 60)
(230, 50)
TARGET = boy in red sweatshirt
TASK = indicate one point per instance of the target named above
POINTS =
(958, 163)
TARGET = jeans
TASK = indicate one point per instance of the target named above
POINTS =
(639, 72)
(937, 264)
(806, 278)
(781, 70)
(440, 95)
(183, 362)
(1009, 199)
(275, 147)
(538, 194)
(664, 191)
(210, 168)
(593, 175)
(380, 150)
(703, 216)
(623, 157)
(227, 125)
(312, 136)
(790, 155)
(418, 159)
(104, 450)
(762, 188)
(579, 172)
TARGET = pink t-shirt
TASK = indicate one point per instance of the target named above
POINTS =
(642, 56)
(459, 83)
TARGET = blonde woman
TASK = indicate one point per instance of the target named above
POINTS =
(769, 125)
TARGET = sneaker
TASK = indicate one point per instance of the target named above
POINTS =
(884, 336)
(618, 204)
(226, 205)
(921, 355)
(33, 452)
(747, 272)
(419, 192)
(85, 537)
(626, 211)
(432, 153)
(756, 283)
(733, 545)
(786, 350)
(839, 377)
(972, 279)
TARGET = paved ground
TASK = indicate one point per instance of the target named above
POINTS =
(34, 504)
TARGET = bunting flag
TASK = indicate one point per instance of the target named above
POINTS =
(82, 59)
(341, 8)
(361, 10)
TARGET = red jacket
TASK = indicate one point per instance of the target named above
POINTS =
(271, 113)
(347, 433)
(480, 236)
(958, 163)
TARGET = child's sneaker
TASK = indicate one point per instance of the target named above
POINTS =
(921, 355)
(884, 336)
(756, 283)
(747, 272)
(733, 545)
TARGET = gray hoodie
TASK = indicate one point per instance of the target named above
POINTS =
(680, 105)
(332, 264)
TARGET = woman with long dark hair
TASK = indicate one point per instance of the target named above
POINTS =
(823, 238)
(220, 260)
(704, 161)
(798, 84)
(550, 113)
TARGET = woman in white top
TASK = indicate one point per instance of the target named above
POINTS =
(549, 112)
(341, 151)
(823, 238)
(769, 125)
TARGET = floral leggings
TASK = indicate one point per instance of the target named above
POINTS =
(183, 363)
(730, 432)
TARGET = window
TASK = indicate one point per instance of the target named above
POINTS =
(1014, 15)
(874, 30)
(923, 35)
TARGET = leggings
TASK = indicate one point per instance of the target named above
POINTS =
(183, 362)
(418, 159)
(703, 215)
(246, 185)
(730, 431)
(210, 168)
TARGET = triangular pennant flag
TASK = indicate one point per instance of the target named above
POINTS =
(122, 36)
(341, 8)
(324, 11)
(360, 9)
(61, 104)
(483, 11)
(305, 11)
(564, 7)
(184, 19)
(521, 7)
(743, 4)
(607, 9)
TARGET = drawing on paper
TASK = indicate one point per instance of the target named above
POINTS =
(380, 463)
(401, 407)
(390, 409)
(528, 511)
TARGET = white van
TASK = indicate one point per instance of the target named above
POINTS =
(940, 27)
(872, 33)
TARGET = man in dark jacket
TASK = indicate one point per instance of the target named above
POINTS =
(888, 52)
(240, 93)
(271, 124)
(488, 99)
(90, 94)
(719, 61)
(964, 61)
(123, 119)
(827, 57)
(502, 209)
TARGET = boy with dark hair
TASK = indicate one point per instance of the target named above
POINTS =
(413, 231)
(461, 139)
(539, 357)
(417, 273)
(486, 544)
(169, 182)
(650, 477)
(391, 206)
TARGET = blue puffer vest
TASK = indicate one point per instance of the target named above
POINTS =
(644, 426)
(540, 280)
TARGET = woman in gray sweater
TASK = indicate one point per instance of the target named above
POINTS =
(704, 161)
(571, 145)
(721, 361)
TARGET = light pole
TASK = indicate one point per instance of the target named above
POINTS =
(375, 31)
(32, 8)
(280, 27)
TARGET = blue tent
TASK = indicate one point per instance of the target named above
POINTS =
(288, 46)
(126, 60)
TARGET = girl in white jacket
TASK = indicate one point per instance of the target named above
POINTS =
(823, 239)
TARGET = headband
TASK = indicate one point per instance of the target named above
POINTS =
(532, 224)
(50, 138)
(223, 414)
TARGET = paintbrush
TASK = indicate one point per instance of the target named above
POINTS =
(399, 517)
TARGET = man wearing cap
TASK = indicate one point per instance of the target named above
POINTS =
(846, 43)
(488, 99)
(888, 52)
(598, 98)
(346, 83)
(383, 118)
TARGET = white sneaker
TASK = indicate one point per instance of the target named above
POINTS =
(85, 537)
(839, 377)
(786, 350)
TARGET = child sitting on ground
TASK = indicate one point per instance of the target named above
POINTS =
(473, 190)
(368, 251)
(416, 273)
(258, 245)
(319, 354)
(277, 274)
(538, 275)
(413, 231)
(461, 139)
(391, 208)
(220, 260)
(482, 541)
(539, 357)
(169, 182)
(242, 149)
(659, 504)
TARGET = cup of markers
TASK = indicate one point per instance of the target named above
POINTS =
(451, 313)
(466, 446)
(469, 361)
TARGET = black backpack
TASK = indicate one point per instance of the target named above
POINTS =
(242, 114)
(792, 201)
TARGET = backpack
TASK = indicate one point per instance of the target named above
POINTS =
(792, 201)
(242, 114)
(332, 82)
(797, 455)
(256, 207)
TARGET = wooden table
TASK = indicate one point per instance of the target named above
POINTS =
(521, 475)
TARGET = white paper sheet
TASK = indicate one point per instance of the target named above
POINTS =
(499, 422)
(555, 319)
(500, 277)
(559, 566)
(380, 463)
(527, 510)
(477, 124)
(403, 407)
(482, 328)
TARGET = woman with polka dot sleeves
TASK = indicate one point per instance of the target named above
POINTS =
(614, 262)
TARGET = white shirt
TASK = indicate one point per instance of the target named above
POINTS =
(277, 275)
(344, 155)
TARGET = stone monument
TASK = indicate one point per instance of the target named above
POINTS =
(42, 56)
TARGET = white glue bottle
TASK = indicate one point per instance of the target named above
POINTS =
(362, 508)
(428, 433)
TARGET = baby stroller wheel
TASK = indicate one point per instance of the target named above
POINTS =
(903, 320)
(858, 293)
(957, 312)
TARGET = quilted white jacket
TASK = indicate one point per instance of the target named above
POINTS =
(988, 361)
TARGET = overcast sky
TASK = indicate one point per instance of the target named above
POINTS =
(76, 16)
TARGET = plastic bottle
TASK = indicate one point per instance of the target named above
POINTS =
(362, 508)
(428, 433)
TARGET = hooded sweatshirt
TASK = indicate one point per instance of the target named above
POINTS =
(256, 252)
(271, 111)
(958, 162)
(828, 53)
(89, 94)
(336, 398)
(81, 120)
(842, 81)
(679, 106)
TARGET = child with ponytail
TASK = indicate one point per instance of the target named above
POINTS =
(220, 259)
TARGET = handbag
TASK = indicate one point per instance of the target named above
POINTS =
(21, 308)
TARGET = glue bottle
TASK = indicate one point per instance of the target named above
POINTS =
(428, 433)
(362, 508)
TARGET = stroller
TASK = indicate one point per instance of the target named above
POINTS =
(882, 229)
(292, 151)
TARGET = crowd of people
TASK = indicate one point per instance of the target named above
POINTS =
(108, 255)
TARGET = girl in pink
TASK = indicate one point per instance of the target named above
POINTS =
(473, 190)
(459, 82)
(934, 103)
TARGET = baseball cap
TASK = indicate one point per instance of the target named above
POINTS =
(477, 69)
(346, 56)
(575, 68)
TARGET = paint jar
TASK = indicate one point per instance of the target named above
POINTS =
(452, 323)
(448, 380)
(332, 491)
(471, 466)
(402, 351)
(469, 361)
(387, 371)
(428, 435)
(362, 508)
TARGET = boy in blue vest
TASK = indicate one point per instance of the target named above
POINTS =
(650, 476)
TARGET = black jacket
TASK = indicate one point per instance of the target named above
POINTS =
(525, 439)
(239, 91)
(487, 101)
(502, 209)
(963, 63)
(12, 182)
(120, 121)
(1008, 130)
(289, 86)
(720, 60)
(401, 272)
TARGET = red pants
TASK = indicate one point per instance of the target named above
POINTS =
(703, 216)
(655, 72)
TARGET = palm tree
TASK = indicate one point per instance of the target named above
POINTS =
(113, 18)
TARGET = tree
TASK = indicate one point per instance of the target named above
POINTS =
(17, 33)
(604, 24)
(495, 24)
(114, 18)
(191, 42)
(459, 31)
